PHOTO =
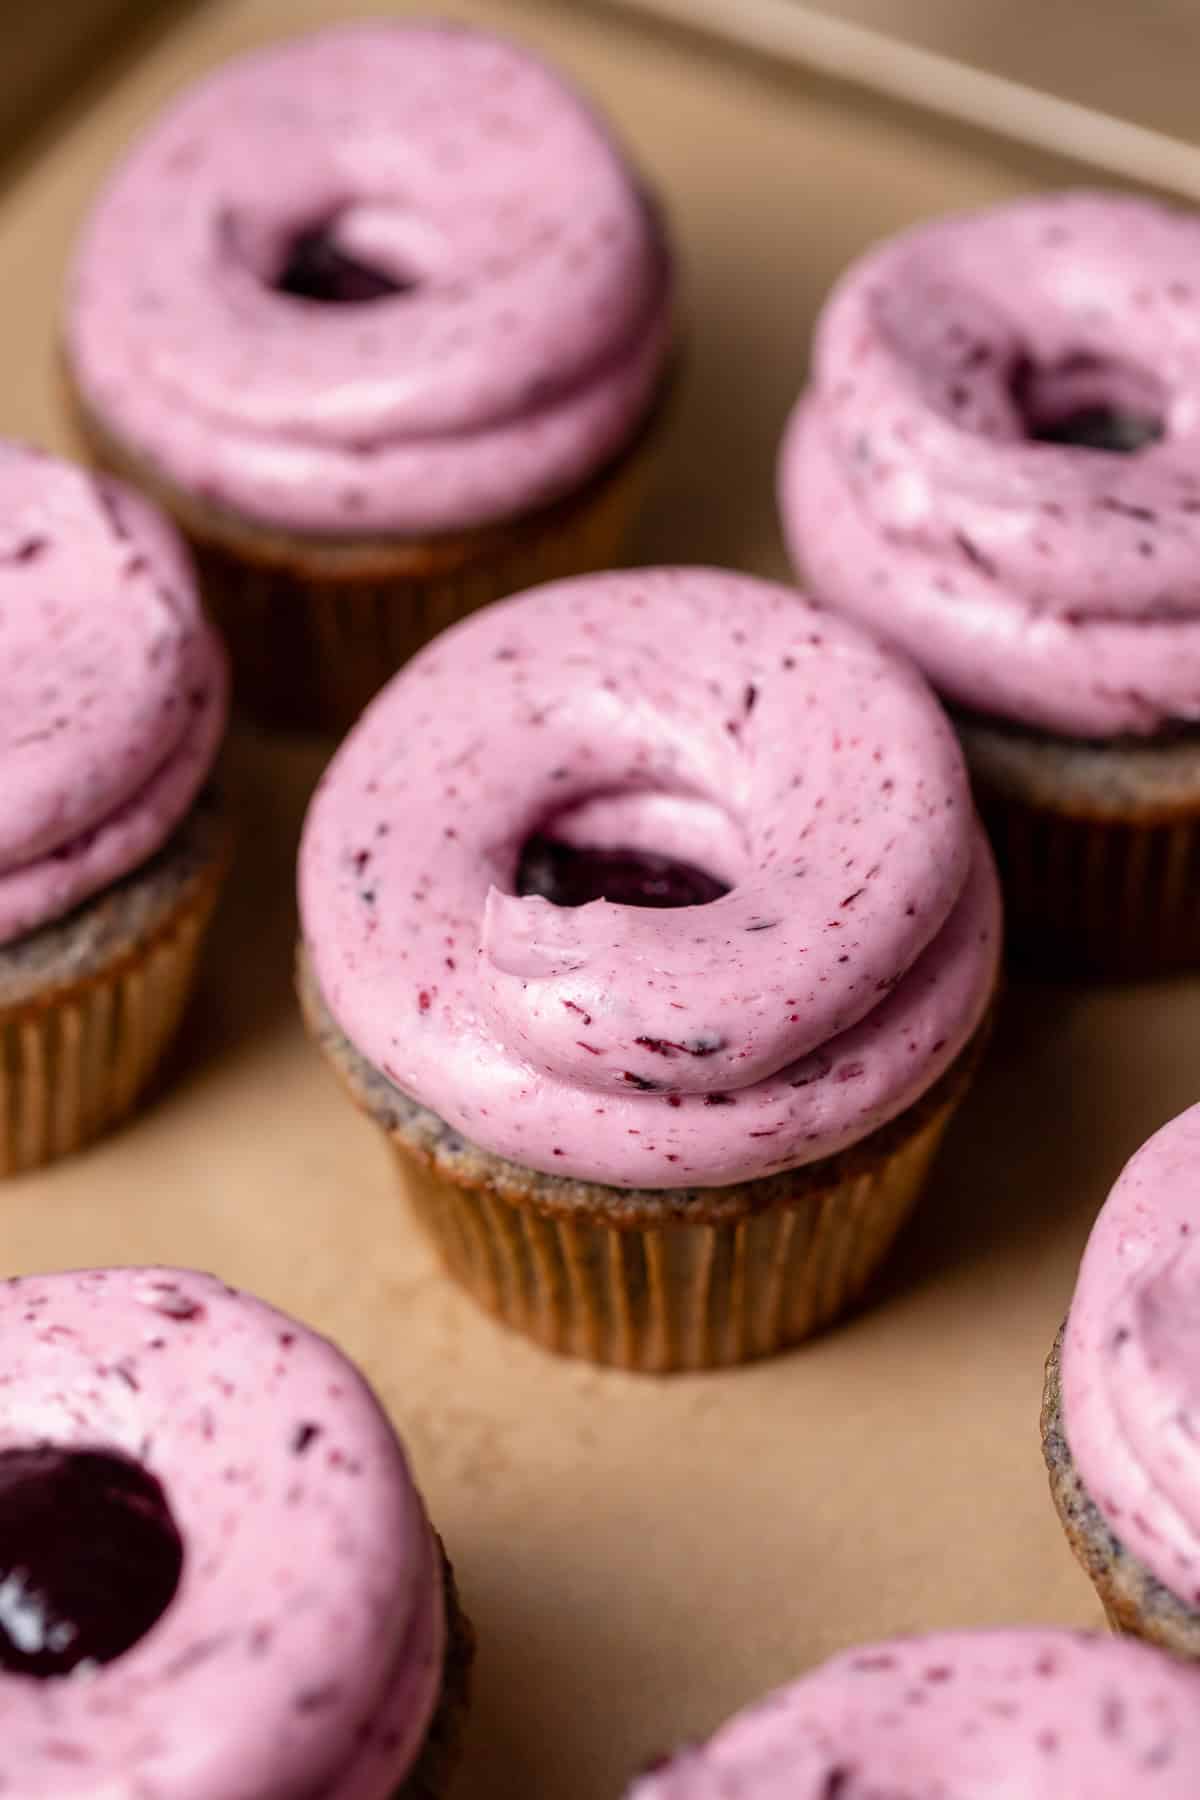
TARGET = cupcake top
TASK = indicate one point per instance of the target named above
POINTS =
(216, 1577)
(998, 459)
(1131, 1359)
(1046, 1715)
(113, 690)
(386, 278)
(663, 878)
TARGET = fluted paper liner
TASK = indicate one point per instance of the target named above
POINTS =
(1135, 1602)
(653, 1279)
(74, 1064)
(315, 627)
(677, 1294)
(1096, 895)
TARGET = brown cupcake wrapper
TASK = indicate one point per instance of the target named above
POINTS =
(315, 627)
(1096, 896)
(74, 1063)
(677, 1294)
(1135, 1602)
(442, 1749)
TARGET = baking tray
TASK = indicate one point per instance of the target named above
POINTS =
(640, 1556)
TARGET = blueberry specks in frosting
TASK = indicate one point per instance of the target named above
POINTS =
(638, 982)
(112, 687)
(1048, 1715)
(156, 1541)
(996, 459)
(1131, 1359)
(403, 280)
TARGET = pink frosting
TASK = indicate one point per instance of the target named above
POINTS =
(992, 1715)
(113, 689)
(525, 349)
(1131, 1359)
(302, 1652)
(708, 716)
(1044, 583)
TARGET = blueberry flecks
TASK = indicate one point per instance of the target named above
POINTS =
(569, 876)
(642, 1082)
(304, 1436)
(173, 1303)
(90, 1558)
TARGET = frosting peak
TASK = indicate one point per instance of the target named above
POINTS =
(687, 713)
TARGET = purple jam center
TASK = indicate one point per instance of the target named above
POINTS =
(571, 876)
(317, 270)
(90, 1558)
(1088, 403)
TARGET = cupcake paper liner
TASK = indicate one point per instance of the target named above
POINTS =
(1135, 1602)
(442, 1749)
(676, 1295)
(74, 1063)
(315, 627)
(1096, 896)
(645, 1279)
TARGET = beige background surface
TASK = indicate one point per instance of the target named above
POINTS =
(639, 1557)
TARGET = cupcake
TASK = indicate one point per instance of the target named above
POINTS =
(218, 1577)
(1044, 1715)
(112, 845)
(648, 916)
(997, 463)
(1119, 1427)
(382, 317)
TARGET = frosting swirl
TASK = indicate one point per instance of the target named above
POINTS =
(1047, 1715)
(1131, 1360)
(300, 1530)
(687, 712)
(508, 286)
(1037, 580)
(113, 691)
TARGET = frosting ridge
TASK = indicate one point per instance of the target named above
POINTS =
(1131, 1359)
(685, 711)
(520, 321)
(1039, 580)
(113, 688)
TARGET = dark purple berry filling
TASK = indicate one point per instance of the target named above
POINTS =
(317, 270)
(1088, 403)
(571, 876)
(90, 1558)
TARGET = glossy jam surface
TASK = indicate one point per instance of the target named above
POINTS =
(574, 875)
(90, 1558)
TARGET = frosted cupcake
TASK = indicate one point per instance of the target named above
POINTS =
(648, 915)
(997, 463)
(383, 317)
(1120, 1428)
(219, 1580)
(112, 847)
(1046, 1715)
